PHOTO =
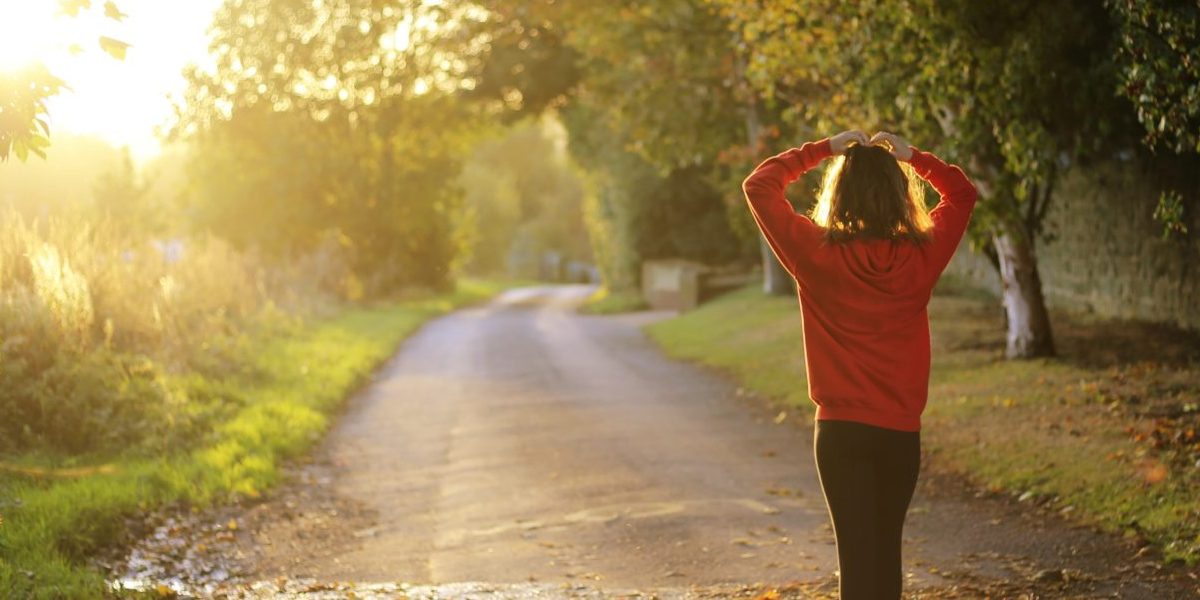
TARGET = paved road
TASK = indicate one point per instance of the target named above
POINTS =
(520, 441)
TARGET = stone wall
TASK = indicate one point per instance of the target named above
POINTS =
(1106, 254)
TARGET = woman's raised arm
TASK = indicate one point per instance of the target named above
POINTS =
(787, 232)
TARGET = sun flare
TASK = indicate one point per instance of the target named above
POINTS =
(123, 102)
(29, 33)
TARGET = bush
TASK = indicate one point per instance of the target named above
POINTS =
(82, 403)
(102, 333)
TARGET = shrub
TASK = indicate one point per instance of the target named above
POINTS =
(102, 332)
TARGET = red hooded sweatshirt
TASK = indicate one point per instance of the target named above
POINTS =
(863, 303)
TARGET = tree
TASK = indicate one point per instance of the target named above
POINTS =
(995, 86)
(333, 123)
(1159, 57)
(524, 200)
(24, 128)
(654, 80)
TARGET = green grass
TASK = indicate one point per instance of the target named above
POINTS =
(51, 524)
(1075, 437)
(608, 302)
(753, 338)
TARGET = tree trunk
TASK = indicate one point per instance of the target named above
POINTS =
(1029, 333)
(776, 280)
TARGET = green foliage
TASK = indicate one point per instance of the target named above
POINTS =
(524, 199)
(752, 337)
(24, 120)
(1170, 212)
(1159, 55)
(518, 61)
(636, 212)
(609, 219)
(1159, 58)
(322, 129)
(93, 320)
(24, 128)
(994, 85)
(650, 107)
(79, 404)
(607, 302)
(662, 75)
(284, 399)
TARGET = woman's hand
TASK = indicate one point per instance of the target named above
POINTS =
(895, 144)
(840, 142)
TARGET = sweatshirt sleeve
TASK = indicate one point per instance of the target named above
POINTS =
(953, 211)
(789, 234)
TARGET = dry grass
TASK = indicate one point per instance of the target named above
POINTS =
(98, 324)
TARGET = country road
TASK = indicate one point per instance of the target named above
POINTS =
(522, 442)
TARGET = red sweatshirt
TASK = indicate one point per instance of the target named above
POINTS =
(863, 303)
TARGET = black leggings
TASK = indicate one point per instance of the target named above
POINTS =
(868, 475)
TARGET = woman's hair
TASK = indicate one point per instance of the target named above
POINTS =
(868, 194)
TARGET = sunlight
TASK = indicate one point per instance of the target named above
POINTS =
(122, 102)
(30, 33)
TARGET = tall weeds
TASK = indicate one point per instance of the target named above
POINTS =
(100, 330)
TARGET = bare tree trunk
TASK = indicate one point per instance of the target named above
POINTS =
(1014, 255)
(776, 280)
(1029, 333)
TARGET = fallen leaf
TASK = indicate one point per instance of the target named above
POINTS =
(1157, 473)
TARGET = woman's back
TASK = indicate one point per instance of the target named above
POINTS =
(864, 298)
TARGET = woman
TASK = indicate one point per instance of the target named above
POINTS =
(865, 264)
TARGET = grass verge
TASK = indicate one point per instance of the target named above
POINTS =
(607, 302)
(1106, 434)
(55, 517)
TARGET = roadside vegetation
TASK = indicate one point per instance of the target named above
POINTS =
(605, 301)
(59, 510)
(1105, 435)
(131, 381)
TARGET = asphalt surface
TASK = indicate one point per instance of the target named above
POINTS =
(522, 442)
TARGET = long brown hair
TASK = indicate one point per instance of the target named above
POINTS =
(868, 194)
